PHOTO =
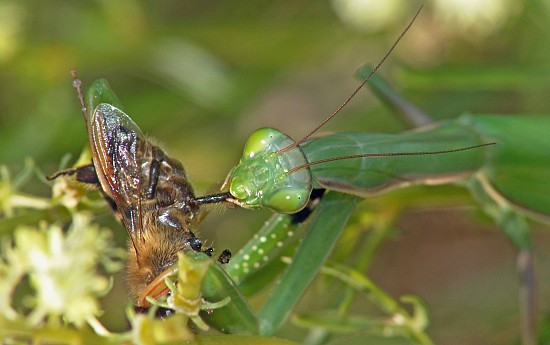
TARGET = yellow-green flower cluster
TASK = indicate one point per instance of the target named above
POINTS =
(62, 269)
(11, 198)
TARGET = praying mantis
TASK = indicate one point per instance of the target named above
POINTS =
(506, 178)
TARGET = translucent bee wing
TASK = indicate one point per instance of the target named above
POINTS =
(118, 146)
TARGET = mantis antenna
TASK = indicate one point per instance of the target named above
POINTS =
(391, 154)
(376, 67)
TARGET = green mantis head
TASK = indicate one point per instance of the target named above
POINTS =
(262, 178)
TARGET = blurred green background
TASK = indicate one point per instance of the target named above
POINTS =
(199, 76)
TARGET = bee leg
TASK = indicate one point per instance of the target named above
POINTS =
(161, 313)
(224, 257)
(213, 198)
(84, 174)
(66, 172)
(194, 242)
(87, 174)
(154, 174)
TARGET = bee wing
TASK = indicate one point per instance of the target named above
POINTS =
(118, 147)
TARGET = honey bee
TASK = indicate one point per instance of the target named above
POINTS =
(148, 192)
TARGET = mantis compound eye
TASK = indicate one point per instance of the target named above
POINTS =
(287, 200)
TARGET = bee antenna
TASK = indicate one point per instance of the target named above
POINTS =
(212, 199)
(77, 84)
(376, 67)
(418, 153)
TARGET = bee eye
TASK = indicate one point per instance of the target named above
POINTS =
(147, 275)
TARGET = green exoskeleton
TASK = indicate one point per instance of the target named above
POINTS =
(274, 170)
(269, 177)
(278, 173)
(263, 178)
(505, 179)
